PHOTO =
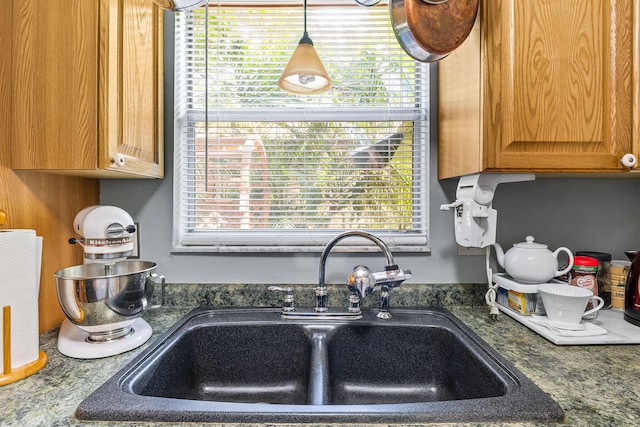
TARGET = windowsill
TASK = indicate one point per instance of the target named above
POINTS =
(297, 249)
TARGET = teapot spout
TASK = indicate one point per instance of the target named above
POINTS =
(499, 254)
(631, 254)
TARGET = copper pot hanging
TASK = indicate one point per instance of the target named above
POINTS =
(429, 30)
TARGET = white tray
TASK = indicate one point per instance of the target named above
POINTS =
(506, 282)
(619, 331)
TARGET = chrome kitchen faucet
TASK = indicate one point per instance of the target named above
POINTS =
(361, 282)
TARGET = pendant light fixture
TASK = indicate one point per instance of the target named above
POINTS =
(304, 73)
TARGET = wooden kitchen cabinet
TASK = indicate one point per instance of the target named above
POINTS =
(543, 86)
(87, 88)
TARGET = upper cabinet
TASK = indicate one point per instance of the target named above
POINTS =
(87, 88)
(543, 86)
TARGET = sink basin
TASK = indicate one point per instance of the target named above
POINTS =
(374, 364)
(252, 366)
(230, 363)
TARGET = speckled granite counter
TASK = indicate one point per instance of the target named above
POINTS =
(595, 385)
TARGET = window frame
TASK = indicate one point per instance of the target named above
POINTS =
(262, 241)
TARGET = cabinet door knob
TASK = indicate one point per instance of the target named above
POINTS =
(629, 160)
(118, 160)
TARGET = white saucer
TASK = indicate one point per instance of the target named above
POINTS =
(72, 341)
(544, 320)
(567, 326)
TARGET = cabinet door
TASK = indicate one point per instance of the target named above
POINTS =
(558, 84)
(54, 86)
(131, 79)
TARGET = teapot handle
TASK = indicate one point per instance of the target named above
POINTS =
(568, 252)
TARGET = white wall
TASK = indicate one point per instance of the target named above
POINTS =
(582, 214)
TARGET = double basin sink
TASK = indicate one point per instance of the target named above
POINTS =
(252, 366)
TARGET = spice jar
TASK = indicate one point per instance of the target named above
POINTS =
(619, 272)
(604, 275)
(584, 274)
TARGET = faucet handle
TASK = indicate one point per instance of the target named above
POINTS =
(287, 300)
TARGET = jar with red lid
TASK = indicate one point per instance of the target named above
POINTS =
(584, 274)
(604, 274)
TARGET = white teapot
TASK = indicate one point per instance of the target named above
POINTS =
(530, 262)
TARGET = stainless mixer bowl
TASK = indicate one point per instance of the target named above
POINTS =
(105, 300)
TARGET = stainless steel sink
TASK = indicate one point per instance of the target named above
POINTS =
(252, 366)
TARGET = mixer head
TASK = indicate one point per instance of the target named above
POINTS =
(107, 234)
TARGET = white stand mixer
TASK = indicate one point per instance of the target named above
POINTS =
(104, 298)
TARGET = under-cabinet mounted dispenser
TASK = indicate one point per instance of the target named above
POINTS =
(474, 218)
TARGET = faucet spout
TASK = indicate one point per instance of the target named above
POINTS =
(361, 280)
(339, 237)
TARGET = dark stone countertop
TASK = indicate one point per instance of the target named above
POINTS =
(595, 385)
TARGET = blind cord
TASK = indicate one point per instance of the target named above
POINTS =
(206, 99)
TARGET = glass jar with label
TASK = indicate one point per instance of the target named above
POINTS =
(604, 274)
(584, 274)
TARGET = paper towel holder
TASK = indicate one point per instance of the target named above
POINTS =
(9, 374)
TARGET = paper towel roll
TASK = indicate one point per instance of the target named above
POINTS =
(20, 260)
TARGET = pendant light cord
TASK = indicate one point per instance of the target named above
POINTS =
(305, 36)
(305, 16)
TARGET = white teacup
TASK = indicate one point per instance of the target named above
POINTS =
(566, 303)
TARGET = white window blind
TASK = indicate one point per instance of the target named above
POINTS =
(258, 167)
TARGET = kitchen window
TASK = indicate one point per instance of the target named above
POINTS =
(260, 169)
